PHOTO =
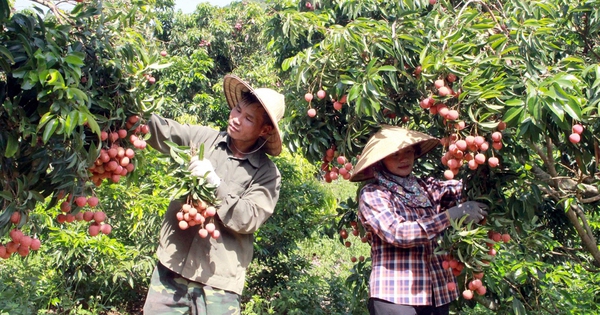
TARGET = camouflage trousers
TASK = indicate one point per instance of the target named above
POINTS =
(171, 294)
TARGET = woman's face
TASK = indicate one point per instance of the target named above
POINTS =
(401, 162)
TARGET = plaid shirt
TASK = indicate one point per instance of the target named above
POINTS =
(405, 269)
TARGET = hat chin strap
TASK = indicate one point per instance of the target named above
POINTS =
(246, 153)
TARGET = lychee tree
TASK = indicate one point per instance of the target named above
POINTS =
(75, 87)
(205, 45)
(511, 88)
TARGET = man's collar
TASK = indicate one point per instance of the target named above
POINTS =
(253, 159)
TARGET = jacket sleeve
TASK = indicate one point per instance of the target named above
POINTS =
(162, 129)
(246, 212)
(445, 193)
(379, 217)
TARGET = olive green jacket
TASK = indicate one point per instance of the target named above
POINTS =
(248, 193)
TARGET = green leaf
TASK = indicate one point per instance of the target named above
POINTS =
(45, 118)
(514, 102)
(36, 195)
(93, 152)
(74, 60)
(513, 115)
(92, 123)
(201, 152)
(286, 64)
(71, 122)
(518, 307)
(54, 78)
(6, 54)
(77, 94)
(176, 157)
(49, 130)
(387, 68)
(488, 125)
(566, 80)
(483, 26)
(557, 110)
(12, 146)
(157, 66)
(354, 93)
(177, 148)
(6, 195)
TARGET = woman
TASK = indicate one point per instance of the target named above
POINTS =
(404, 216)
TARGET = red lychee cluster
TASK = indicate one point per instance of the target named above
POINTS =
(201, 214)
(97, 224)
(471, 150)
(453, 264)
(443, 90)
(19, 242)
(309, 6)
(575, 137)
(457, 267)
(441, 108)
(321, 94)
(498, 237)
(116, 155)
(338, 104)
(203, 43)
(354, 230)
(475, 285)
(150, 78)
(96, 218)
(333, 172)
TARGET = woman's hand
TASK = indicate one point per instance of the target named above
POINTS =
(475, 211)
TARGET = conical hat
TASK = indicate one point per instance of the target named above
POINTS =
(389, 140)
(272, 101)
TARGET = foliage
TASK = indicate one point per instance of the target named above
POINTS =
(495, 62)
(203, 47)
(74, 272)
(67, 76)
(66, 80)
(292, 272)
(317, 288)
(302, 203)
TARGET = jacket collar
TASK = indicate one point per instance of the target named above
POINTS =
(253, 158)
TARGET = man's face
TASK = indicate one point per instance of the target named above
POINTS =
(246, 123)
(401, 162)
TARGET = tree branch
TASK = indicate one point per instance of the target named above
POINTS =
(566, 184)
(53, 7)
(487, 303)
(556, 185)
(571, 254)
(588, 241)
(590, 200)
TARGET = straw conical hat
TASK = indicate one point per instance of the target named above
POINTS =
(272, 101)
(386, 141)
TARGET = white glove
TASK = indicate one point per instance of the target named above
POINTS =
(203, 168)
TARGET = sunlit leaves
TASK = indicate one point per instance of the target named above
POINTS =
(63, 82)
(528, 64)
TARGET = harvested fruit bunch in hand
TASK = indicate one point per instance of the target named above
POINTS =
(198, 190)
(198, 213)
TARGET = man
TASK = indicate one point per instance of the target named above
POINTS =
(198, 275)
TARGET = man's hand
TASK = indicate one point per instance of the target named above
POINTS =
(203, 168)
(475, 211)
